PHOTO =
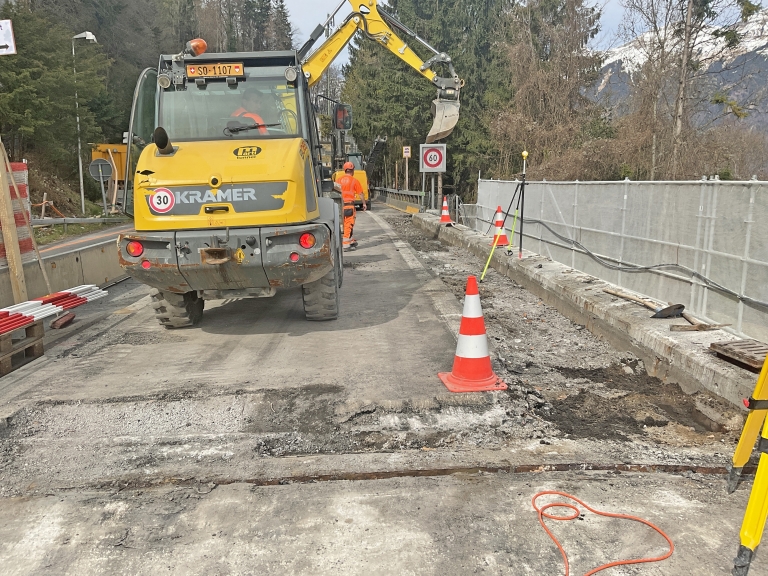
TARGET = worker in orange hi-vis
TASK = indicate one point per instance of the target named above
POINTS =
(351, 190)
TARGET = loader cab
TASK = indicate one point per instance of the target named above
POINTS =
(235, 97)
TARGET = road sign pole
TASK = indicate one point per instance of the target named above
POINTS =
(407, 187)
(432, 195)
(103, 192)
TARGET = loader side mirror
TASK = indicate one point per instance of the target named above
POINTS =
(342, 117)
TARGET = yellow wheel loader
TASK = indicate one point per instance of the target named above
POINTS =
(224, 174)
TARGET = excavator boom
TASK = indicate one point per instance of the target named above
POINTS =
(380, 27)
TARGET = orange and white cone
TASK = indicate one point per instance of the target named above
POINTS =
(501, 234)
(472, 370)
(445, 217)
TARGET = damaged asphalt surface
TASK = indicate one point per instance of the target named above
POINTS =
(263, 444)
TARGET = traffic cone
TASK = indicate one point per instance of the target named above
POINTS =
(500, 232)
(445, 217)
(472, 371)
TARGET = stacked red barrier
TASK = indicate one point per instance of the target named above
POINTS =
(21, 175)
(27, 313)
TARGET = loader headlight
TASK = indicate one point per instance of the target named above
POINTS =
(291, 74)
(164, 81)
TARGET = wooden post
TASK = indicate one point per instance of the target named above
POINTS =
(11, 239)
(27, 222)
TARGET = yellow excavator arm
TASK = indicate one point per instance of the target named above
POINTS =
(379, 27)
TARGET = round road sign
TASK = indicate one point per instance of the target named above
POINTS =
(433, 157)
(162, 200)
(100, 169)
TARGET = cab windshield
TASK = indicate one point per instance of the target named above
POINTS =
(257, 108)
(357, 161)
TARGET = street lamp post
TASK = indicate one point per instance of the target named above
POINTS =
(92, 39)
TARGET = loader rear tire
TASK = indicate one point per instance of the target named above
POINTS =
(177, 310)
(321, 298)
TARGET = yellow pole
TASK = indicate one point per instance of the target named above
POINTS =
(751, 430)
(493, 249)
(756, 513)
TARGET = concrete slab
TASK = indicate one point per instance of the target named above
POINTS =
(459, 525)
(679, 357)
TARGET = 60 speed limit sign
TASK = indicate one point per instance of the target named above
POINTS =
(433, 157)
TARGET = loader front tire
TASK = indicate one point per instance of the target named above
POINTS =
(321, 298)
(177, 310)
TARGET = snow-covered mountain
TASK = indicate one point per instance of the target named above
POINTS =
(740, 72)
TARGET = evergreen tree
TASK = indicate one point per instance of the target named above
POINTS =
(37, 103)
(281, 31)
(261, 15)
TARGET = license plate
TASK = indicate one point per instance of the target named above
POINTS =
(215, 70)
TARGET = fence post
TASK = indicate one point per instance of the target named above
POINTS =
(623, 228)
(575, 223)
(710, 244)
(745, 264)
(699, 243)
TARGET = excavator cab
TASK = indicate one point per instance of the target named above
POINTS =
(342, 115)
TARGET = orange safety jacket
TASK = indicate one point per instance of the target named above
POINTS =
(243, 113)
(350, 188)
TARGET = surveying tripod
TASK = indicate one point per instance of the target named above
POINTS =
(757, 509)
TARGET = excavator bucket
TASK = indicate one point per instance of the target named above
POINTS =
(446, 114)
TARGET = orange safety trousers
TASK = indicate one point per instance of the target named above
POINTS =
(349, 224)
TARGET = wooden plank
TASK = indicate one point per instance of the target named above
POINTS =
(750, 354)
(11, 239)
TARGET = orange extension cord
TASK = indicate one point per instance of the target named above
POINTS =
(576, 513)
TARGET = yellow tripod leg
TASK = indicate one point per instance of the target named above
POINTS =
(755, 516)
(751, 429)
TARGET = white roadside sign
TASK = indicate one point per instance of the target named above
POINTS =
(7, 41)
(406, 151)
(433, 157)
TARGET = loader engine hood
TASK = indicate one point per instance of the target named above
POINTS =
(215, 184)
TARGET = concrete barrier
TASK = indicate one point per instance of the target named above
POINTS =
(682, 358)
(95, 264)
(403, 200)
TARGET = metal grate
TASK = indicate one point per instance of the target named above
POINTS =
(749, 354)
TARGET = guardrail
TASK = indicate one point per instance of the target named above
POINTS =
(37, 223)
(404, 200)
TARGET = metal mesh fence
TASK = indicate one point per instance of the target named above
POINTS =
(714, 228)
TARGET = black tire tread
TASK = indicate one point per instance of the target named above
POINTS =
(321, 298)
(177, 310)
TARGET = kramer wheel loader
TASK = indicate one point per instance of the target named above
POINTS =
(230, 202)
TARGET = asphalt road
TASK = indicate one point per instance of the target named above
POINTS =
(260, 443)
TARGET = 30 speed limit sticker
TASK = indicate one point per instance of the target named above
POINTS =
(433, 157)
(162, 201)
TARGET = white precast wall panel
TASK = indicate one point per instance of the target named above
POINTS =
(718, 228)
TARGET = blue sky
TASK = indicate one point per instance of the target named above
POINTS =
(306, 14)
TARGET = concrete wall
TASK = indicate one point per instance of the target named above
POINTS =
(716, 228)
(93, 265)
